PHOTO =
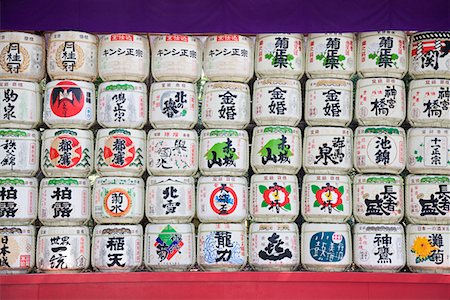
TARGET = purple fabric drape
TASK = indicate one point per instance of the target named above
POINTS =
(224, 16)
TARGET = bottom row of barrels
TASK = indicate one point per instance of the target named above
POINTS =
(224, 247)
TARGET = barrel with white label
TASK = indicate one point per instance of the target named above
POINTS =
(279, 55)
(378, 199)
(118, 200)
(69, 103)
(228, 57)
(176, 58)
(173, 105)
(117, 248)
(18, 249)
(222, 199)
(429, 55)
(380, 101)
(20, 104)
(382, 54)
(327, 150)
(276, 149)
(429, 103)
(329, 102)
(326, 198)
(428, 151)
(428, 248)
(22, 56)
(380, 149)
(326, 247)
(169, 247)
(64, 201)
(18, 200)
(226, 105)
(331, 55)
(19, 152)
(274, 198)
(72, 55)
(277, 101)
(124, 56)
(120, 152)
(274, 246)
(427, 199)
(63, 249)
(379, 248)
(223, 152)
(222, 247)
(170, 199)
(172, 152)
(67, 153)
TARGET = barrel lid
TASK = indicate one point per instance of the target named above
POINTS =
(377, 130)
(20, 85)
(219, 179)
(178, 85)
(18, 181)
(425, 130)
(319, 35)
(328, 131)
(277, 129)
(154, 180)
(377, 228)
(72, 230)
(19, 133)
(398, 33)
(119, 181)
(237, 86)
(133, 133)
(153, 133)
(384, 80)
(221, 227)
(423, 83)
(314, 227)
(17, 230)
(424, 229)
(260, 177)
(427, 179)
(289, 35)
(262, 82)
(270, 227)
(224, 133)
(14, 36)
(118, 230)
(377, 179)
(65, 181)
(72, 35)
(79, 133)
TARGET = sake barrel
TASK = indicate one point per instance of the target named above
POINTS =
(63, 249)
(223, 152)
(118, 200)
(226, 105)
(117, 248)
(177, 58)
(120, 152)
(379, 149)
(326, 247)
(228, 57)
(276, 149)
(170, 199)
(379, 248)
(329, 102)
(382, 54)
(380, 101)
(279, 55)
(429, 55)
(64, 201)
(22, 56)
(172, 152)
(122, 104)
(124, 56)
(277, 101)
(378, 199)
(274, 198)
(18, 200)
(330, 55)
(72, 55)
(274, 246)
(67, 153)
(428, 151)
(327, 150)
(429, 103)
(19, 152)
(169, 247)
(21, 104)
(222, 199)
(427, 199)
(18, 249)
(222, 247)
(326, 198)
(70, 104)
(428, 248)
(173, 105)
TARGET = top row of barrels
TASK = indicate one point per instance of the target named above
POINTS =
(227, 57)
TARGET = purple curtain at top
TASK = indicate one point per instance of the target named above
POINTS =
(224, 16)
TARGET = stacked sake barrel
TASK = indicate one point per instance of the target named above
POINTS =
(380, 152)
(172, 153)
(276, 155)
(120, 153)
(22, 67)
(428, 154)
(327, 152)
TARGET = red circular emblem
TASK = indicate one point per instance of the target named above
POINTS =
(66, 99)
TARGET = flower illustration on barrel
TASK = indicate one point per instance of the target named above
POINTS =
(276, 197)
(424, 249)
(328, 197)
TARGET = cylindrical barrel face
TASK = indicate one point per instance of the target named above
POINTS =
(18, 249)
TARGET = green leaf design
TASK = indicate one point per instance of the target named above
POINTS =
(218, 148)
(316, 204)
(183, 113)
(264, 204)
(268, 56)
(288, 188)
(320, 56)
(341, 189)
(419, 158)
(315, 188)
(340, 207)
(262, 189)
(373, 56)
(416, 152)
(287, 206)
(290, 57)
(394, 56)
(273, 145)
(341, 57)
